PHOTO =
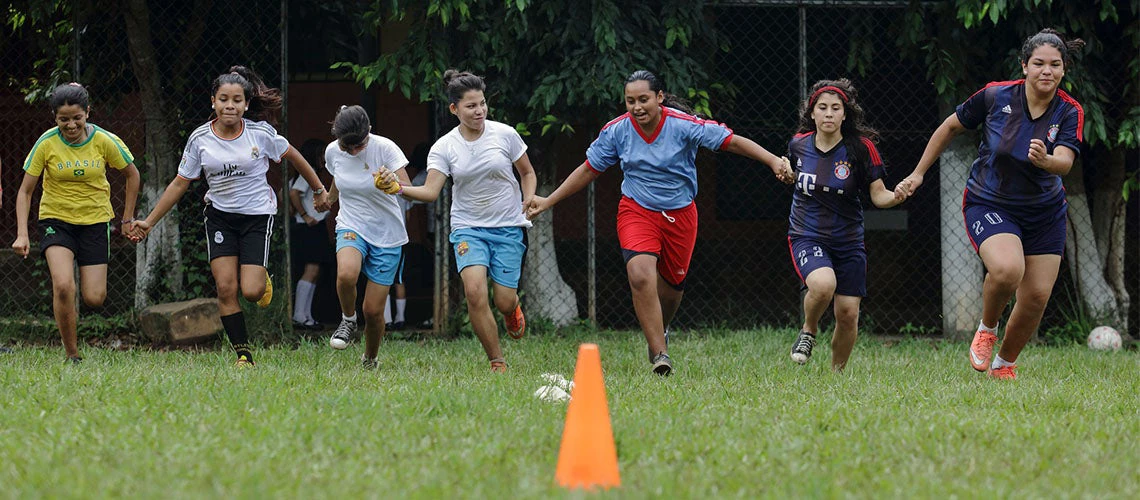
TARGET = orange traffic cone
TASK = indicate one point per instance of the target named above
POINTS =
(588, 457)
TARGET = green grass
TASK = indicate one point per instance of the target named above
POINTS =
(909, 419)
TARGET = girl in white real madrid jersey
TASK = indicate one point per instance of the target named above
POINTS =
(232, 153)
(487, 219)
(370, 232)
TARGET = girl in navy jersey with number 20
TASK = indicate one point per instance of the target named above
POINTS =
(1014, 204)
(655, 143)
(834, 160)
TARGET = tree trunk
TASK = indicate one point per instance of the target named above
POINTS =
(548, 295)
(962, 271)
(1085, 262)
(157, 258)
(1109, 212)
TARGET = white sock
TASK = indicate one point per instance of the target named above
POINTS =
(999, 363)
(387, 311)
(987, 329)
(305, 292)
(349, 318)
(401, 304)
(300, 309)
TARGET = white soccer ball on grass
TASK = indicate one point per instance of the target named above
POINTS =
(1104, 338)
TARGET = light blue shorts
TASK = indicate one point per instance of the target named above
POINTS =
(380, 265)
(502, 250)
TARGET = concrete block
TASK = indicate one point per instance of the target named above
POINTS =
(186, 322)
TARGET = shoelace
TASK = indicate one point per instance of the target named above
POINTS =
(987, 341)
(343, 331)
(805, 343)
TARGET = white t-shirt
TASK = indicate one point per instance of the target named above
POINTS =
(235, 169)
(485, 192)
(306, 190)
(373, 214)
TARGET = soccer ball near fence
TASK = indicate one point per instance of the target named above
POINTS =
(1104, 338)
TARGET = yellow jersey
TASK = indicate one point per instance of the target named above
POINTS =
(76, 190)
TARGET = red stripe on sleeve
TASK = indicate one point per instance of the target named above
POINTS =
(871, 150)
(1080, 113)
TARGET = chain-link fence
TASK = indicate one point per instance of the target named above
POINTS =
(922, 275)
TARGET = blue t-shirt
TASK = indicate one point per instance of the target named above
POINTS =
(826, 203)
(1003, 173)
(659, 170)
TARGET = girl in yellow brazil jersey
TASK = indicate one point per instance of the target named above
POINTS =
(75, 213)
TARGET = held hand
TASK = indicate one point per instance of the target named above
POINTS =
(902, 190)
(21, 246)
(527, 202)
(536, 206)
(786, 174)
(309, 220)
(908, 185)
(1037, 153)
(321, 201)
(127, 229)
(386, 181)
(139, 230)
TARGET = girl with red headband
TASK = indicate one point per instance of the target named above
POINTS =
(835, 160)
(1014, 205)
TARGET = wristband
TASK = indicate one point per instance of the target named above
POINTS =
(127, 221)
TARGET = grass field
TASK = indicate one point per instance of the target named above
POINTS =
(907, 419)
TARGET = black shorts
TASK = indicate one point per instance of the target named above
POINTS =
(90, 243)
(311, 244)
(244, 236)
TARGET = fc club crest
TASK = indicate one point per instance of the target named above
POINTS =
(254, 152)
(462, 248)
(1053, 129)
(842, 170)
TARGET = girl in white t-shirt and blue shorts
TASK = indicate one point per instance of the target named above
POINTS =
(370, 232)
(488, 226)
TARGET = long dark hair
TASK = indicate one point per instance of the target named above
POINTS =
(854, 128)
(1052, 38)
(457, 83)
(68, 94)
(655, 85)
(264, 102)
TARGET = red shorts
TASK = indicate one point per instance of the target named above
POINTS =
(670, 235)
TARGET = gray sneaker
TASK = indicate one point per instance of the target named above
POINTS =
(662, 365)
(343, 334)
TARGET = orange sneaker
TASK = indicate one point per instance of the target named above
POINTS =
(1005, 373)
(498, 365)
(981, 349)
(516, 323)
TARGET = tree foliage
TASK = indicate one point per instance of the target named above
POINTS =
(549, 64)
(1105, 75)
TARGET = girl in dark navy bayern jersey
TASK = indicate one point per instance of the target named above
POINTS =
(656, 144)
(1014, 205)
(834, 160)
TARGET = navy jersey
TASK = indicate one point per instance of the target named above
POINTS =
(1002, 173)
(826, 202)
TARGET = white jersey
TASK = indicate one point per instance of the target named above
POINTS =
(307, 205)
(235, 169)
(485, 192)
(373, 214)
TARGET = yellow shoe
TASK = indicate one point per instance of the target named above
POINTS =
(268, 296)
(243, 362)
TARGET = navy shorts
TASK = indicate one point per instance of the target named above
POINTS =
(1041, 229)
(244, 236)
(847, 260)
(90, 243)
